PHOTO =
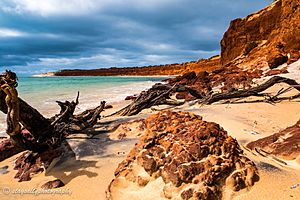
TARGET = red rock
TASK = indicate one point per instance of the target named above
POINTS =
(276, 72)
(217, 71)
(188, 172)
(276, 60)
(150, 165)
(30, 163)
(7, 149)
(185, 79)
(275, 30)
(284, 144)
(250, 45)
(232, 78)
(182, 148)
(202, 75)
(57, 183)
(187, 194)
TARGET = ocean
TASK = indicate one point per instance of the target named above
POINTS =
(42, 92)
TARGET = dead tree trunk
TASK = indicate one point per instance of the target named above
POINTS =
(30, 118)
(157, 95)
(254, 91)
(39, 133)
(34, 121)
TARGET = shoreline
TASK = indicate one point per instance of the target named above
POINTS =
(48, 74)
(53, 75)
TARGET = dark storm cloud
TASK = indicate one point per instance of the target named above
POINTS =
(52, 34)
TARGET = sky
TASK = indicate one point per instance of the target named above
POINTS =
(38, 36)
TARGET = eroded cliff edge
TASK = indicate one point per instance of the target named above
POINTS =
(270, 36)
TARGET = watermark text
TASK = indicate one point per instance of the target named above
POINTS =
(35, 191)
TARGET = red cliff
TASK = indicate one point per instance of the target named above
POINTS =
(271, 34)
(168, 69)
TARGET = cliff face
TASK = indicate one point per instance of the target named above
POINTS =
(272, 34)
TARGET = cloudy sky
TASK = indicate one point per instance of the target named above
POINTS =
(45, 35)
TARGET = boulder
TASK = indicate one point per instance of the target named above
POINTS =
(276, 60)
(182, 156)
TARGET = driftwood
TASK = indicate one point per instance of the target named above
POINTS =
(38, 133)
(157, 95)
(160, 94)
(254, 91)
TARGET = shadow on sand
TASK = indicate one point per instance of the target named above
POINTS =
(84, 152)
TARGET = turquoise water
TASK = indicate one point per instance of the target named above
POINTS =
(40, 84)
(42, 92)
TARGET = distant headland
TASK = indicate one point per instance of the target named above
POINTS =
(153, 70)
